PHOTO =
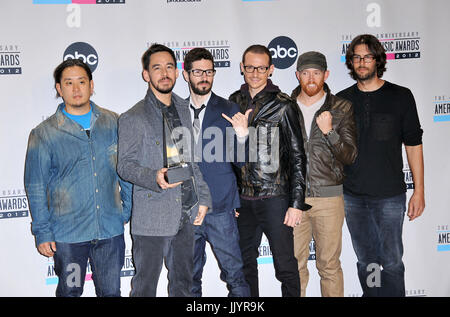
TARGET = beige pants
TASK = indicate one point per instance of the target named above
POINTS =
(323, 222)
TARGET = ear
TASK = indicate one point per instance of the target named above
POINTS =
(177, 73)
(297, 74)
(242, 68)
(271, 69)
(327, 73)
(146, 75)
(92, 86)
(58, 89)
(186, 76)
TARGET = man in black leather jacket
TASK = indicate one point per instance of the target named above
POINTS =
(329, 135)
(272, 183)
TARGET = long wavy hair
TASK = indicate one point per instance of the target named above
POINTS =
(374, 46)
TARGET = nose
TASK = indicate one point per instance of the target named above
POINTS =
(76, 87)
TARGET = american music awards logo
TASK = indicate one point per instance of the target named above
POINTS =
(52, 279)
(401, 45)
(13, 204)
(443, 238)
(220, 50)
(441, 107)
(10, 59)
(408, 176)
(265, 254)
(78, 1)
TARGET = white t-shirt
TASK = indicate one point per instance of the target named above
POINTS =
(309, 112)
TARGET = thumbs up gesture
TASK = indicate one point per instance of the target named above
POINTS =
(239, 122)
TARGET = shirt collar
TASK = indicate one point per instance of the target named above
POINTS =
(205, 103)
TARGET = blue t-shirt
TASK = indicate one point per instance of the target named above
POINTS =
(83, 120)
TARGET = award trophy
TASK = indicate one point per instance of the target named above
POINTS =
(177, 169)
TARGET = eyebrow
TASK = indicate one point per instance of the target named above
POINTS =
(170, 63)
(72, 78)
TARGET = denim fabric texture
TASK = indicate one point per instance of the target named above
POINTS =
(375, 226)
(73, 189)
(106, 258)
(221, 231)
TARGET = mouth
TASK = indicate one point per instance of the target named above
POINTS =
(165, 80)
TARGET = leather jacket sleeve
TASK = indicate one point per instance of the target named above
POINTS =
(292, 138)
(343, 142)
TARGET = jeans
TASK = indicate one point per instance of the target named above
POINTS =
(220, 230)
(267, 216)
(375, 227)
(106, 257)
(149, 252)
(323, 222)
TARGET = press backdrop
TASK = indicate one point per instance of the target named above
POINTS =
(111, 36)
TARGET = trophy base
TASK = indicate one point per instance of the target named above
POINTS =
(178, 174)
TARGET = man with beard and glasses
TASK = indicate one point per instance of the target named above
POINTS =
(329, 138)
(374, 187)
(155, 130)
(209, 115)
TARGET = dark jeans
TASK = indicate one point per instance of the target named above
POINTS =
(375, 227)
(220, 230)
(267, 216)
(106, 258)
(148, 256)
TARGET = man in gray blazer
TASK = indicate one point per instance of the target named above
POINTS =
(163, 213)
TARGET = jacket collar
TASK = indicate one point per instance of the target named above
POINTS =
(270, 87)
(151, 101)
(65, 124)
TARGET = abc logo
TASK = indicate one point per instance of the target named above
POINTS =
(284, 52)
(83, 51)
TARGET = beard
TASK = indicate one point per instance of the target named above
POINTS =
(369, 75)
(312, 90)
(162, 89)
(201, 91)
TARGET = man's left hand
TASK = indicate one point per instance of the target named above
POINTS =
(201, 215)
(324, 121)
(239, 122)
(293, 217)
(416, 205)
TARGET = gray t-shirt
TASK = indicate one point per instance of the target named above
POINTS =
(309, 112)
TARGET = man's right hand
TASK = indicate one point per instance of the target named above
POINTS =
(160, 179)
(47, 249)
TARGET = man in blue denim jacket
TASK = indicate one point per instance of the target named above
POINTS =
(78, 203)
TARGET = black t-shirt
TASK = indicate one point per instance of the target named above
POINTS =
(385, 118)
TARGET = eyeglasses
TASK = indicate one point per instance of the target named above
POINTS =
(367, 58)
(200, 72)
(260, 69)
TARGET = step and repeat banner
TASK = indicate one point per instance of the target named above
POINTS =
(111, 35)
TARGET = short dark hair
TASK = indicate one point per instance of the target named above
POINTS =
(197, 54)
(57, 74)
(156, 48)
(374, 46)
(257, 49)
